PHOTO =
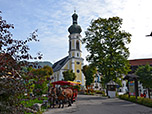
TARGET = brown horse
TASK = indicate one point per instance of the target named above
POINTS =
(52, 96)
(64, 95)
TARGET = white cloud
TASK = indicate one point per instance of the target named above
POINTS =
(136, 19)
(53, 18)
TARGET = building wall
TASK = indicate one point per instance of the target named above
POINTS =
(72, 64)
(78, 72)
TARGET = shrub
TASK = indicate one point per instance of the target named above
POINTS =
(98, 91)
(132, 99)
(140, 100)
(91, 93)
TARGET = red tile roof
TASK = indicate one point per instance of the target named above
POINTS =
(137, 62)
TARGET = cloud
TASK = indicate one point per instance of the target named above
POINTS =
(52, 19)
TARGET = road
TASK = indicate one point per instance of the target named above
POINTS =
(87, 104)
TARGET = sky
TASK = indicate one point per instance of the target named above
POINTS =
(52, 18)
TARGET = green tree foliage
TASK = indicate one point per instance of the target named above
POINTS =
(89, 72)
(145, 76)
(69, 75)
(41, 78)
(49, 70)
(106, 44)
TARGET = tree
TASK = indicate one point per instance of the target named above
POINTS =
(49, 70)
(41, 78)
(12, 52)
(89, 72)
(145, 76)
(106, 44)
(69, 75)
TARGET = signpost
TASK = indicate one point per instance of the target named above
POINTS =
(132, 88)
(132, 84)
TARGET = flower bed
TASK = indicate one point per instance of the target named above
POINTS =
(140, 100)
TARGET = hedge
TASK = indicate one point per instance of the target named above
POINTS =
(140, 100)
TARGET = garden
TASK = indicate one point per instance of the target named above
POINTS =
(139, 100)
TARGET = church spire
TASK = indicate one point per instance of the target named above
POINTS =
(75, 17)
(74, 28)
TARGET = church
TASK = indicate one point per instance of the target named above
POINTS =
(74, 60)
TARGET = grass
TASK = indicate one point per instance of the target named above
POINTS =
(29, 102)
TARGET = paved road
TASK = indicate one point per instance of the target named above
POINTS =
(87, 104)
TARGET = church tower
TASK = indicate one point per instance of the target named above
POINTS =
(75, 48)
(73, 61)
(74, 38)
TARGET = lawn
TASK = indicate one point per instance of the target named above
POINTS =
(29, 102)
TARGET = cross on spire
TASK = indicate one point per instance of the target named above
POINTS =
(74, 10)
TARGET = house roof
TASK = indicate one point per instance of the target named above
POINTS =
(112, 83)
(137, 62)
(59, 64)
(130, 77)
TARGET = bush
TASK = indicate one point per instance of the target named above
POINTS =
(11, 93)
(140, 100)
(99, 92)
(132, 98)
(91, 93)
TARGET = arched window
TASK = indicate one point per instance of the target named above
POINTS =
(77, 45)
(70, 46)
(77, 54)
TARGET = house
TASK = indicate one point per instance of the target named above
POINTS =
(135, 63)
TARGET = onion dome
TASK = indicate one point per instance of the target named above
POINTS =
(75, 28)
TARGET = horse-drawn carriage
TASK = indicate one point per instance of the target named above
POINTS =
(62, 92)
(68, 84)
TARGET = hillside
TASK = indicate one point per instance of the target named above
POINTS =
(40, 64)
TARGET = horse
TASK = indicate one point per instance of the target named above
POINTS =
(63, 95)
(52, 96)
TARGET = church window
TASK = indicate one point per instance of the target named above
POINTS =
(78, 71)
(77, 54)
(77, 45)
(78, 63)
(70, 45)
